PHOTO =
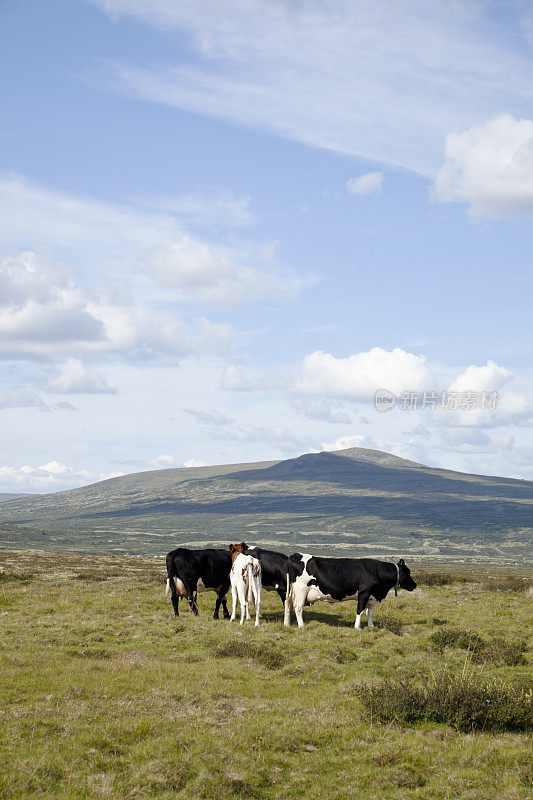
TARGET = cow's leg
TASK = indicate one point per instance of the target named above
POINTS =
(369, 613)
(300, 596)
(192, 602)
(174, 596)
(221, 600)
(282, 593)
(234, 601)
(362, 600)
(288, 608)
(257, 600)
(217, 607)
(175, 602)
(225, 611)
(241, 591)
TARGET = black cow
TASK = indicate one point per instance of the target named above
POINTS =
(273, 568)
(334, 579)
(193, 571)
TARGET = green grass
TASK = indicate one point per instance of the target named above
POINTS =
(105, 695)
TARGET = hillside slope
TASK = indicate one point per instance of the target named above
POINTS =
(354, 501)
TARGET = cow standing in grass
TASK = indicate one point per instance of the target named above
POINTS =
(311, 578)
(193, 571)
(245, 577)
(273, 568)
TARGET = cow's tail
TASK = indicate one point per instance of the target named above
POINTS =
(289, 589)
(170, 575)
(249, 580)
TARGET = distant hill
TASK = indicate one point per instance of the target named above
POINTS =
(351, 502)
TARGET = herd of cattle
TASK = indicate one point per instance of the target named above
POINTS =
(299, 579)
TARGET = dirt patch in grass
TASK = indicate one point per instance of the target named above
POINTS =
(462, 703)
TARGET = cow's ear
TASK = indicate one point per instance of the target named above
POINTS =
(244, 546)
(401, 563)
(231, 548)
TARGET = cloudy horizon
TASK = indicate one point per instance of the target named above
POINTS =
(223, 234)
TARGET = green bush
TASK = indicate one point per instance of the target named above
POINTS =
(497, 650)
(462, 703)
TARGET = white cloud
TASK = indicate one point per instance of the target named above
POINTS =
(194, 462)
(369, 183)
(164, 461)
(356, 440)
(209, 417)
(19, 398)
(66, 320)
(272, 434)
(234, 380)
(316, 408)
(359, 376)
(206, 273)
(50, 477)
(144, 236)
(487, 378)
(72, 377)
(335, 73)
(490, 167)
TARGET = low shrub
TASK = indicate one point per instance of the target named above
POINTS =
(497, 650)
(440, 578)
(462, 703)
(506, 583)
(263, 654)
(16, 577)
(390, 624)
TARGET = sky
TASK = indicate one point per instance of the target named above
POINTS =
(226, 226)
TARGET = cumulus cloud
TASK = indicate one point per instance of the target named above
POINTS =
(487, 378)
(72, 377)
(203, 272)
(369, 183)
(50, 477)
(194, 462)
(66, 320)
(150, 234)
(508, 407)
(359, 376)
(490, 167)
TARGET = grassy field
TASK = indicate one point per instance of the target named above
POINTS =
(105, 695)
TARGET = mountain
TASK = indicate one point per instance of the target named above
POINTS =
(350, 502)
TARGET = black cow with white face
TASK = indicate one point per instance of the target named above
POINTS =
(193, 571)
(311, 578)
(273, 568)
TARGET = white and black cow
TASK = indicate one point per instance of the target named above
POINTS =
(193, 571)
(310, 578)
(273, 568)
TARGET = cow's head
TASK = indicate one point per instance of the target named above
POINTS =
(235, 549)
(406, 582)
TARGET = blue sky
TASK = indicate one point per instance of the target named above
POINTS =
(225, 227)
